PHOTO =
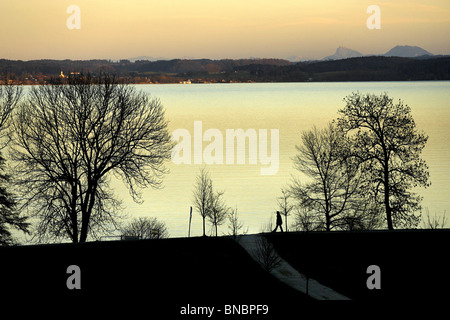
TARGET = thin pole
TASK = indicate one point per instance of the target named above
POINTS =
(190, 219)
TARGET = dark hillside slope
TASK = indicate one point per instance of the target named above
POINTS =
(164, 275)
(414, 264)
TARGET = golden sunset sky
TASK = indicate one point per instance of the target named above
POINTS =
(121, 29)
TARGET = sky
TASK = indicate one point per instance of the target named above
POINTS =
(122, 29)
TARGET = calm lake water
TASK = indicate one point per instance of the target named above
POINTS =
(291, 108)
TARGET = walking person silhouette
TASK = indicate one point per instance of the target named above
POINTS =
(279, 222)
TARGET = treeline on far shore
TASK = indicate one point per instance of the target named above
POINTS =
(373, 68)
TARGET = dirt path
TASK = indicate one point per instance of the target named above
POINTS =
(287, 274)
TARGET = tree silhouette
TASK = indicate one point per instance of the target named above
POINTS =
(307, 220)
(235, 225)
(334, 178)
(146, 228)
(10, 96)
(10, 217)
(284, 205)
(71, 138)
(202, 195)
(385, 142)
(218, 210)
(266, 254)
(208, 202)
(434, 222)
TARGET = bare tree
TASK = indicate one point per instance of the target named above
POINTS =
(307, 220)
(71, 138)
(202, 195)
(218, 210)
(266, 254)
(363, 214)
(334, 178)
(235, 225)
(434, 222)
(9, 98)
(208, 202)
(385, 141)
(284, 205)
(267, 227)
(146, 228)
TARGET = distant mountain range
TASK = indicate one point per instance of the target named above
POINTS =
(397, 51)
(343, 53)
(401, 63)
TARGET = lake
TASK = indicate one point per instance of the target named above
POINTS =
(289, 108)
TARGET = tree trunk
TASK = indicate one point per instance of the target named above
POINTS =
(84, 228)
(204, 226)
(190, 219)
(86, 215)
(386, 198)
(73, 215)
(327, 220)
(388, 206)
(74, 233)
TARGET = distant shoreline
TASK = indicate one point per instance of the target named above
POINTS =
(249, 82)
(360, 69)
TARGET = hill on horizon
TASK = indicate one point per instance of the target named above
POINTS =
(407, 52)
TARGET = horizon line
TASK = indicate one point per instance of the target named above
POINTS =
(145, 58)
